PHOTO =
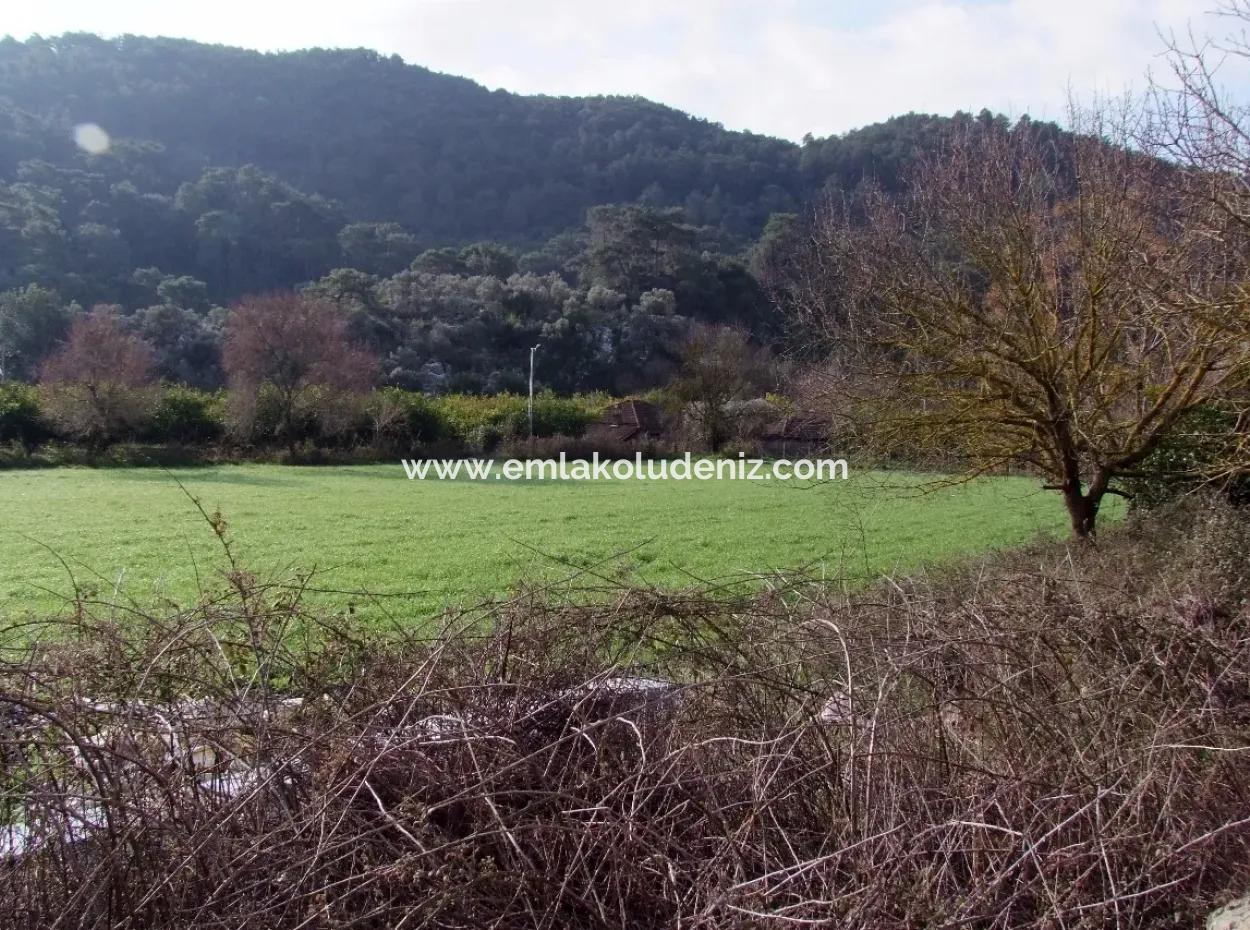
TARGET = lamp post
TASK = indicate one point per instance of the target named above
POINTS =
(533, 349)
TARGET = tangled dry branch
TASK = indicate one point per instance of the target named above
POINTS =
(1060, 740)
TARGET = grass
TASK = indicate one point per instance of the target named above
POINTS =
(133, 534)
(1052, 737)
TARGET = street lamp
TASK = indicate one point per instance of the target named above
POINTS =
(533, 349)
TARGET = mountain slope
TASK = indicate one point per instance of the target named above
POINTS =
(457, 226)
(441, 155)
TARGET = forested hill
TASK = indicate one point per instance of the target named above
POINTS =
(232, 172)
(441, 155)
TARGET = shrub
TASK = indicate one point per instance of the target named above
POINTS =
(558, 416)
(473, 418)
(747, 419)
(21, 419)
(483, 439)
(1190, 457)
(466, 413)
(402, 419)
(575, 448)
(187, 416)
(98, 387)
(747, 448)
(266, 417)
(389, 420)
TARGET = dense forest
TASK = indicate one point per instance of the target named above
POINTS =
(457, 225)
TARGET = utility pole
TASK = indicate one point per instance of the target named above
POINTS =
(531, 406)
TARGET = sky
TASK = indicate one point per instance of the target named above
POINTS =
(781, 67)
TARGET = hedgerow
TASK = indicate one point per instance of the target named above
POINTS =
(387, 421)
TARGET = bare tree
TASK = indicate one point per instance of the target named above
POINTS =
(719, 364)
(98, 386)
(291, 353)
(1198, 123)
(1032, 300)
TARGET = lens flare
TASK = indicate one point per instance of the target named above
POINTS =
(91, 138)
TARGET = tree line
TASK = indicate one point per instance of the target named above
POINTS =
(298, 379)
(611, 304)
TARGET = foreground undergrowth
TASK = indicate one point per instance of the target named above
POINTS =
(1056, 737)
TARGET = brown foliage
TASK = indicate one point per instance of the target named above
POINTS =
(96, 386)
(719, 364)
(294, 351)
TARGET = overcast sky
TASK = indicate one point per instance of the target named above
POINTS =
(784, 67)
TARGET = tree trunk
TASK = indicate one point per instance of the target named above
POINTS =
(286, 426)
(1082, 510)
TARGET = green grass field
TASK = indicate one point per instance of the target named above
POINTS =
(133, 534)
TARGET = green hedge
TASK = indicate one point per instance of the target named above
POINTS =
(20, 418)
(390, 419)
(400, 418)
(185, 416)
(470, 416)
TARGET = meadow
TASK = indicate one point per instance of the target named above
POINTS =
(134, 535)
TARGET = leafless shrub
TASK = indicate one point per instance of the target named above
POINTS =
(98, 387)
(292, 367)
(1056, 739)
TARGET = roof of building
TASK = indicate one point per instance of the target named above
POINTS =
(801, 428)
(629, 419)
